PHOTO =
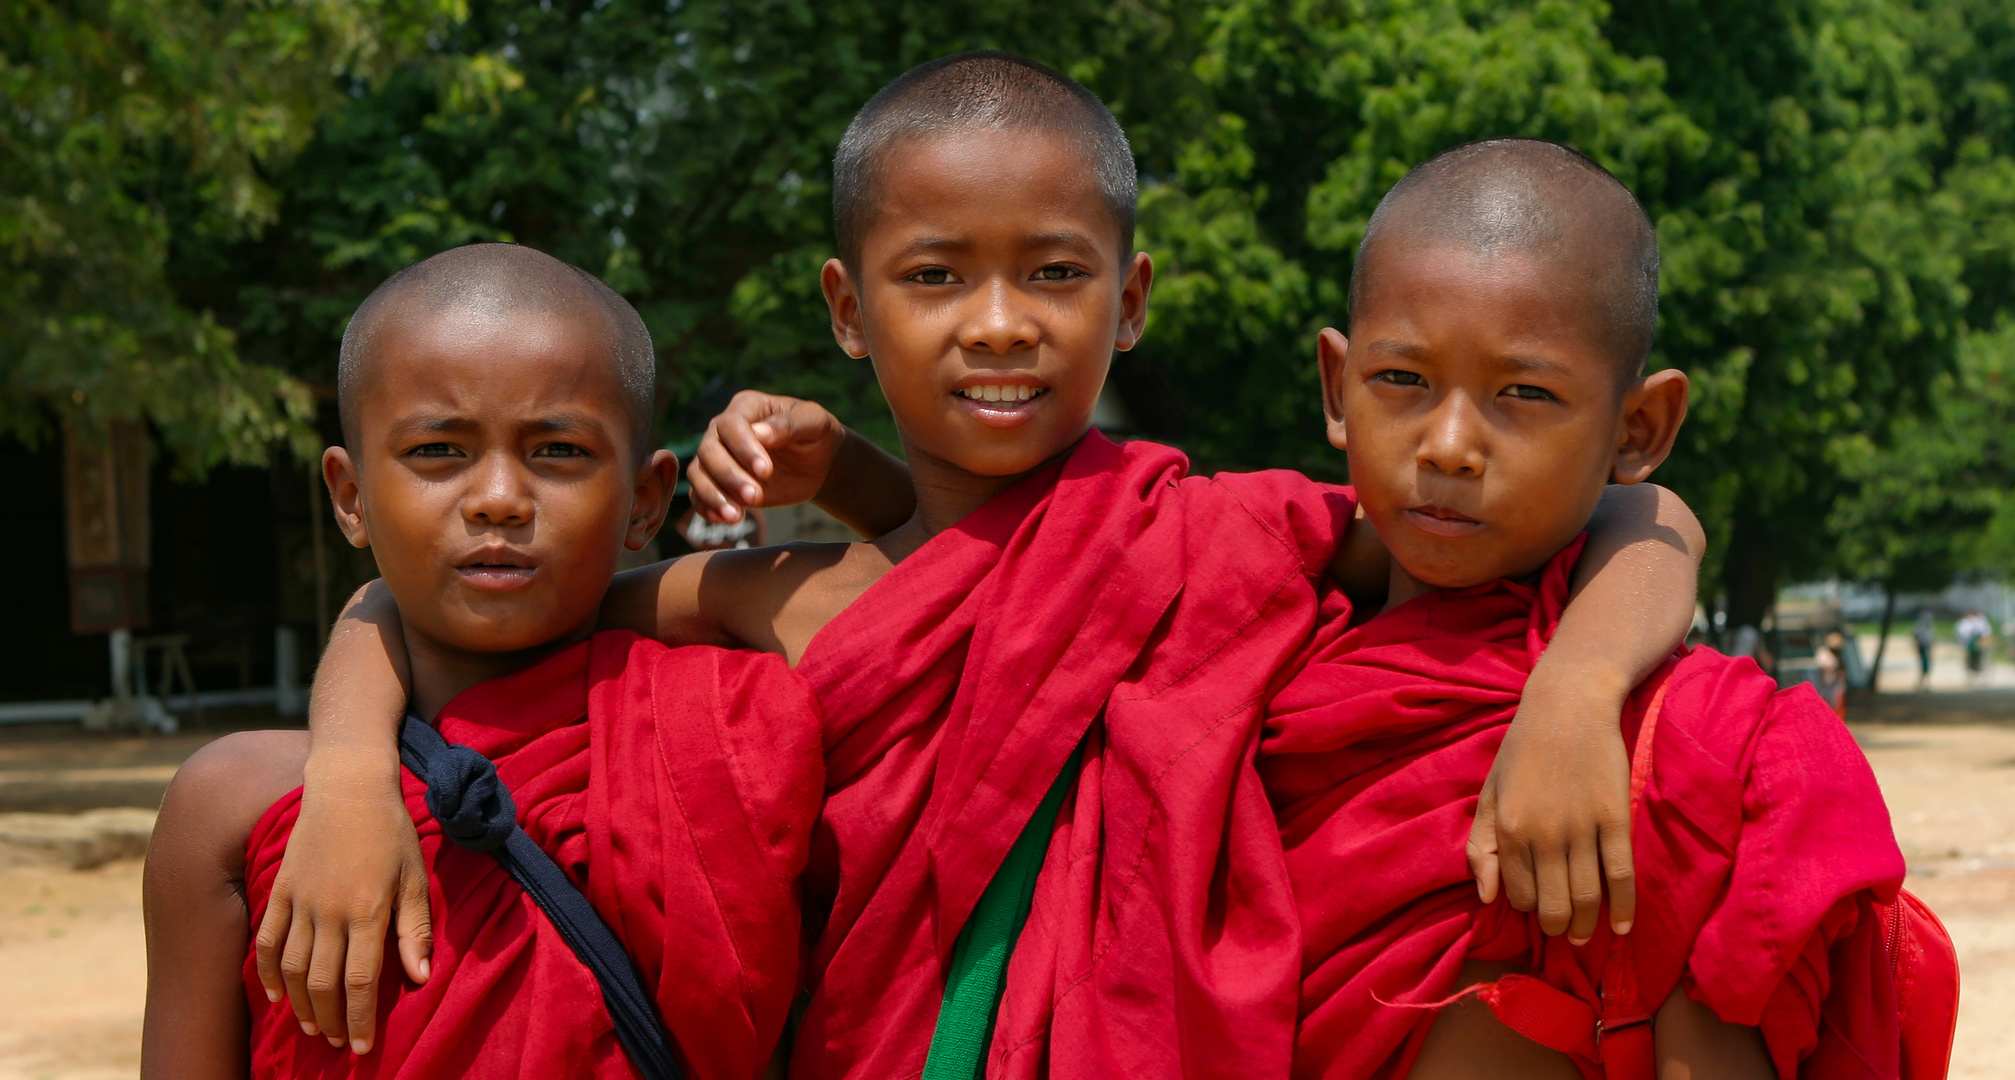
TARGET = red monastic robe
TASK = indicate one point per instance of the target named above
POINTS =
(1761, 841)
(677, 788)
(1111, 601)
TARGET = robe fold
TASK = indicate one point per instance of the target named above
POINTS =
(677, 788)
(1111, 601)
(1761, 843)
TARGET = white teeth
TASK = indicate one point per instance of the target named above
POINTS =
(996, 392)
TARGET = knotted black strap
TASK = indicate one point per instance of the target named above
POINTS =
(476, 812)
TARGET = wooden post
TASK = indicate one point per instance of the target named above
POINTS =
(105, 496)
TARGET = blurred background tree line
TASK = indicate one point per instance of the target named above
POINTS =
(194, 194)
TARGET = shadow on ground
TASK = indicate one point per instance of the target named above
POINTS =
(63, 769)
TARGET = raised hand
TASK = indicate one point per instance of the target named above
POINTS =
(764, 450)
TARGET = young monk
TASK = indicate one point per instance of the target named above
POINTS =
(1503, 303)
(1042, 690)
(498, 457)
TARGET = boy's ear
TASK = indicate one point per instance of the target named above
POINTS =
(1331, 350)
(1133, 301)
(340, 474)
(843, 300)
(1652, 413)
(652, 499)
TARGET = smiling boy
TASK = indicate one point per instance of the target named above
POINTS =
(1503, 304)
(497, 461)
(1041, 689)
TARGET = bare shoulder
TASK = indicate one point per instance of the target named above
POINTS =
(778, 598)
(223, 789)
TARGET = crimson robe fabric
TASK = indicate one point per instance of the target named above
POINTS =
(1761, 843)
(677, 788)
(1110, 600)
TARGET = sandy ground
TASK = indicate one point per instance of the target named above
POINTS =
(73, 970)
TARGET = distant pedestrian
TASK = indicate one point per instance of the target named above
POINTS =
(1832, 680)
(1925, 634)
(1972, 631)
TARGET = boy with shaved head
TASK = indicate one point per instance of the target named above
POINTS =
(1503, 304)
(1044, 849)
(498, 458)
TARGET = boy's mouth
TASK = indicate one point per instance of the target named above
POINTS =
(498, 570)
(1437, 520)
(1000, 404)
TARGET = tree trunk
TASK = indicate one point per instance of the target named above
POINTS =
(1882, 642)
(1749, 577)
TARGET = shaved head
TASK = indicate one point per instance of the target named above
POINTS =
(496, 281)
(1529, 198)
(978, 91)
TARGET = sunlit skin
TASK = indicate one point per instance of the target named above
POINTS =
(496, 482)
(1482, 416)
(991, 262)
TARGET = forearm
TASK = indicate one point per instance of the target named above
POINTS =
(869, 490)
(662, 601)
(359, 696)
(1633, 596)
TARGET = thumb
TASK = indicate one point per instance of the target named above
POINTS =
(1482, 846)
(415, 924)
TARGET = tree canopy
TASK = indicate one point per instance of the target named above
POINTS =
(196, 195)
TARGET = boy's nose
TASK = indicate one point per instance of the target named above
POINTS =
(498, 494)
(1453, 442)
(998, 322)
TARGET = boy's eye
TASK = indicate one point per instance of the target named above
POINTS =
(1399, 377)
(562, 450)
(936, 275)
(437, 449)
(1525, 392)
(1058, 272)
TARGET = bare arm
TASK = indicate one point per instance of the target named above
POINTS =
(1633, 594)
(353, 862)
(869, 489)
(1553, 819)
(196, 1022)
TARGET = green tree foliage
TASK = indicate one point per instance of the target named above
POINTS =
(1939, 497)
(681, 151)
(1832, 181)
(131, 128)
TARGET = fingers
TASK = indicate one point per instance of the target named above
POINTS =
(294, 960)
(324, 982)
(1620, 873)
(1584, 889)
(360, 982)
(272, 936)
(1550, 870)
(415, 924)
(728, 469)
(1515, 866)
(1482, 846)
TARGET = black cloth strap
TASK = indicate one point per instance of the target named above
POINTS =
(475, 810)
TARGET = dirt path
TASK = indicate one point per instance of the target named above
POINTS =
(1951, 793)
(72, 947)
(72, 951)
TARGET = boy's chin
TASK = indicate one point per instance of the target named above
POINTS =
(1014, 456)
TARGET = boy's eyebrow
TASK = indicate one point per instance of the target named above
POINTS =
(1537, 363)
(946, 243)
(1390, 345)
(455, 424)
(1057, 239)
(565, 422)
(934, 243)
